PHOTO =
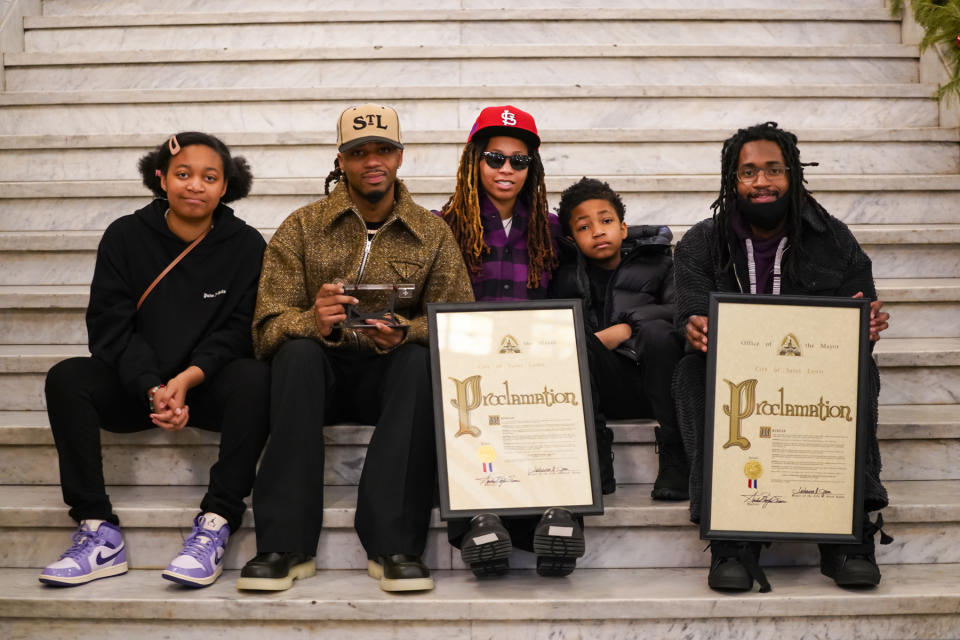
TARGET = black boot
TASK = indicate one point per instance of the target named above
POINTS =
(735, 565)
(673, 476)
(608, 483)
(854, 565)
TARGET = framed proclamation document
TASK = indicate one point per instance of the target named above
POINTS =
(786, 414)
(514, 416)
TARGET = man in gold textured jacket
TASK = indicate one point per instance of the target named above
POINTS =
(326, 368)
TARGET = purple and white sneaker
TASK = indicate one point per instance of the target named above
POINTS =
(97, 552)
(201, 561)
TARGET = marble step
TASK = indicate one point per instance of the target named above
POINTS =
(438, 154)
(456, 106)
(464, 65)
(446, 27)
(673, 199)
(67, 257)
(634, 532)
(191, 7)
(913, 370)
(918, 442)
(911, 602)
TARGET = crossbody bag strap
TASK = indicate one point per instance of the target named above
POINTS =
(180, 257)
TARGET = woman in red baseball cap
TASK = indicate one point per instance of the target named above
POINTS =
(498, 213)
(508, 239)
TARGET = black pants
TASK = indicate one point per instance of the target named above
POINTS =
(85, 395)
(313, 386)
(689, 386)
(621, 389)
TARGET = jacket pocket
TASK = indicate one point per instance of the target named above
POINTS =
(406, 270)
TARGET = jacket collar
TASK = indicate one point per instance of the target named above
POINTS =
(338, 203)
(490, 217)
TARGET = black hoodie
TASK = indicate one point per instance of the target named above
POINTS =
(640, 290)
(199, 314)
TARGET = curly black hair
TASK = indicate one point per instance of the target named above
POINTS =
(726, 203)
(581, 191)
(236, 171)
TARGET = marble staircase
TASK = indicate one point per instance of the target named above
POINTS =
(638, 92)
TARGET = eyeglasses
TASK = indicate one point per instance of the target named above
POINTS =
(748, 174)
(495, 160)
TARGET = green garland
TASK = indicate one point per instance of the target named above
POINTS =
(940, 20)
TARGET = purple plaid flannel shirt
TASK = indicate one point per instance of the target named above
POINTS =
(504, 269)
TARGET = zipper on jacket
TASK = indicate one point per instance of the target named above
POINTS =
(366, 247)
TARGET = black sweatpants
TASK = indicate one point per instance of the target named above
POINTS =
(313, 386)
(85, 395)
(621, 389)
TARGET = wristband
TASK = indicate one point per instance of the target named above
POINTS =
(151, 393)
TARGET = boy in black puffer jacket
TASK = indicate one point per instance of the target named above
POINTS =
(625, 278)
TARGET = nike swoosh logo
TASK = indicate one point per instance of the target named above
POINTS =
(101, 559)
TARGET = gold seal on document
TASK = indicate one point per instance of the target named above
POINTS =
(486, 453)
(753, 469)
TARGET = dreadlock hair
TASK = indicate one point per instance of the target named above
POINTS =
(334, 176)
(236, 171)
(581, 191)
(462, 213)
(726, 202)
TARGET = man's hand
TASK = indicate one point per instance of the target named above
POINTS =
(878, 319)
(328, 307)
(614, 335)
(697, 332)
(384, 336)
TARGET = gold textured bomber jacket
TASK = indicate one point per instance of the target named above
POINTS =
(325, 241)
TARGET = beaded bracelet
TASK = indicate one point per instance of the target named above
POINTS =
(151, 393)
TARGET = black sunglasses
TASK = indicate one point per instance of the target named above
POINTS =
(518, 161)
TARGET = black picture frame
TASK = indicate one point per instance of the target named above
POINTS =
(574, 307)
(716, 320)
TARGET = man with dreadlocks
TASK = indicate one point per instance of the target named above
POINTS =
(769, 236)
(367, 230)
(508, 239)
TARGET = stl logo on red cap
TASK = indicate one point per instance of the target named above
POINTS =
(509, 119)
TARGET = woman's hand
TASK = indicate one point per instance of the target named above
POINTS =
(170, 410)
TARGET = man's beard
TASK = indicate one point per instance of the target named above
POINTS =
(373, 197)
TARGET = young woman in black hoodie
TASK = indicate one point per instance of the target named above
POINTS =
(166, 351)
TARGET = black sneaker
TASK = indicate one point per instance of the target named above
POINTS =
(558, 542)
(275, 571)
(735, 565)
(854, 565)
(673, 476)
(400, 572)
(486, 546)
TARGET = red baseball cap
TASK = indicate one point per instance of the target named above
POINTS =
(506, 121)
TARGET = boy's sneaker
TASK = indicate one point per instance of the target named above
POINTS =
(673, 475)
(608, 483)
(486, 546)
(201, 561)
(558, 542)
(97, 552)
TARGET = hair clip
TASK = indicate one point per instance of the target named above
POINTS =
(158, 173)
(174, 145)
